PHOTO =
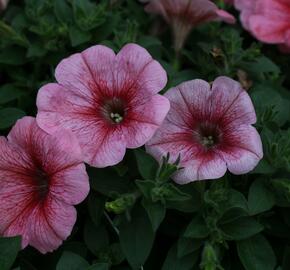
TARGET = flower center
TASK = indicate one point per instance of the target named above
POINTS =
(114, 110)
(208, 134)
(117, 118)
(42, 182)
(207, 141)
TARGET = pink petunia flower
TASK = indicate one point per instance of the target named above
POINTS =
(109, 101)
(41, 177)
(211, 128)
(267, 20)
(183, 15)
(3, 4)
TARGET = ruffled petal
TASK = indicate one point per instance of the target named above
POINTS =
(52, 152)
(82, 73)
(188, 102)
(230, 103)
(242, 149)
(144, 120)
(70, 185)
(136, 71)
(206, 166)
(49, 224)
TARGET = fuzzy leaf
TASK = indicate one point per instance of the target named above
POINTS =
(260, 198)
(136, 238)
(256, 253)
(9, 248)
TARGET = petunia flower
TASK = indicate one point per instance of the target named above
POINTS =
(41, 177)
(3, 4)
(109, 101)
(183, 15)
(267, 20)
(210, 127)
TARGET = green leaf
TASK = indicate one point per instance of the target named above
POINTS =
(99, 266)
(264, 167)
(36, 49)
(136, 238)
(235, 200)
(108, 182)
(9, 248)
(96, 238)
(186, 246)
(8, 116)
(175, 194)
(156, 212)
(260, 198)
(116, 254)
(9, 92)
(71, 261)
(232, 215)
(12, 56)
(190, 205)
(96, 206)
(77, 36)
(172, 262)
(146, 187)
(270, 105)
(281, 189)
(256, 253)
(241, 228)
(88, 15)
(197, 228)
(147, 165)
(169, 192)
(75, 247)
(62, 11)
(8, 34)
(286, 258)
(264, 65)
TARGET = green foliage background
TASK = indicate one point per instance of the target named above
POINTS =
(135, 217)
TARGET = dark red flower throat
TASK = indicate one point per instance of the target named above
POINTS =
(114, 110)
(208, 134)
(41, 182)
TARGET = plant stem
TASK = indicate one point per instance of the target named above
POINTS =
(112, 223)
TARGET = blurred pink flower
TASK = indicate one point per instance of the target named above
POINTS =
(3, 4)
(267, 20)
(183, 15)
(210, 128)
(109, 101)
(41, 177)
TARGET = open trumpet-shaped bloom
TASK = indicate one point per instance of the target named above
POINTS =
(210, 128)
(267, 20)
(183, 15)
(109, 101)
(41, 177)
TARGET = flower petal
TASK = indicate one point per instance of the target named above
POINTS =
(144, 120)
(54, 152)
(107, 149)
(206, 166)
(231, 103)
(135, 65)
(82, 72)
(49, 224)
(70, 185)
(188, 101)
(242, 149)
(268, 29)
(16, 191)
